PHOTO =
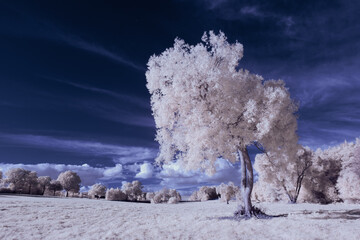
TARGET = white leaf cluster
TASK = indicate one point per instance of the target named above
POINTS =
(205, 193)
(228, 191)
(133, 191)
(115, 194)
(164, 196)
(349, 179)
(97, 190)
(281, 173)
(333, 175)
(205, 107)
(70, 181)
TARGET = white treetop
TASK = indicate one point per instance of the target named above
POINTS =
(70, 181)
(205, 107)
(98, 190)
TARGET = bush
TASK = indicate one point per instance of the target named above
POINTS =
(98, 190)
(115, 195)
(165, 196)
(205, 193)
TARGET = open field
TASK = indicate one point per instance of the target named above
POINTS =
(59, 218)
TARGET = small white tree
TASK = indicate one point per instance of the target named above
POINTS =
(115, 195)
(54, 186)
(133, 190)
(205, 193)
(43, 183)
(348, 183)
(166, 196)
(149, 196)
(227, 191)
(70, 181)
(282, 173)
(320, 184)
(98, 190)
(205, 107)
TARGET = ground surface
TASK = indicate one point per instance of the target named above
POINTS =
(60, 218)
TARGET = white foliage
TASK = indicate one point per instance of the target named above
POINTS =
(43, 183)
(115, 195)
(205, 108)
(281, 174)
(205, 193)
(348, 182)
(21, 180)
(227, 191)
(133, 191)
(166, 196)
(97, 190)
(54, 186)
(70, 181)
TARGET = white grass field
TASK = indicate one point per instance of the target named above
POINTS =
(60, 218)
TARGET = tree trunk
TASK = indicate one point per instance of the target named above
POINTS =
(54, 192)
(67, 194)
(246, 180)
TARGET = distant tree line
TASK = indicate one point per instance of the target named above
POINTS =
(23, 181)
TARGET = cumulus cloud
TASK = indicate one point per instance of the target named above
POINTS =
(89, 175)
(146, 171)
(119, 154)
(175, 176)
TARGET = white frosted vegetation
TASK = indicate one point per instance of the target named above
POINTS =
(205, 193)
(97, 190)
(164, 196)
(204, 108)
(115, 195)
(227, 191)
(70, 181)
(349, 178)
(133, 191)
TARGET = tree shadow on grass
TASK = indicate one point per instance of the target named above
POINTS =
(256, 213)
(347, 215)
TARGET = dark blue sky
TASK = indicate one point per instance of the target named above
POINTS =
(72, 75)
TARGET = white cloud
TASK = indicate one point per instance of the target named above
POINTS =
(146, 171)
(175, 176)
(100, 50)
(89, 175)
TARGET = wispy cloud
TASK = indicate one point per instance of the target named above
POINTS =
(100, 50)
(117, 113)
(119, 154)
(123, 97)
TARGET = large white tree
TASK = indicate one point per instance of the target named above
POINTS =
(205, 107)
(70, 181)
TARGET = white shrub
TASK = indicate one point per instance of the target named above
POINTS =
(164, 196)
(348, 182)
(97, 190)
(115, 195)
(227, 191)
(205, 193)
(133, 191)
